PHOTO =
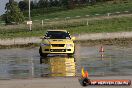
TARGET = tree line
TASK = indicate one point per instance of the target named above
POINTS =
(69, 4)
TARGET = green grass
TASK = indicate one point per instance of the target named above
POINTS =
(112, 25)
(95, 26)
(1, 22)
(89, 10)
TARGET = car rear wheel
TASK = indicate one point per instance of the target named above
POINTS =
(41, 53)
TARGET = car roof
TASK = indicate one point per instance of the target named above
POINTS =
(58, 30)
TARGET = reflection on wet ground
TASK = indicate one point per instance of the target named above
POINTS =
(58, 66)
(26, 62)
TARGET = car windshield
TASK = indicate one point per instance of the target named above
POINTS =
(57, 35)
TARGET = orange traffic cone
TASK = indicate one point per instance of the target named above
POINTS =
(86, 74)
(84, 81)
(101, 49)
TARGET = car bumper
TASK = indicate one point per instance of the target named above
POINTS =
(58, 50)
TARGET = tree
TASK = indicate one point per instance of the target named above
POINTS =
(32, 5)
(13, 13)
(51, 2)
(23, 5)
(43, 3)
(57, 3)
(68, 4)
(64, 3)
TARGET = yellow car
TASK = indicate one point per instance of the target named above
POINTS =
(57, 42)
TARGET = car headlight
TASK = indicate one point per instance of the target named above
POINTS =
(42, 44)
(69, 45)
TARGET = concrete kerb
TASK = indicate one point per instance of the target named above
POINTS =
(20, 41)
(98, 36)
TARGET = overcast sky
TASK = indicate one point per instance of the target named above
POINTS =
(2, 6)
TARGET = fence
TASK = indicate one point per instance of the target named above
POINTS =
(85, 16)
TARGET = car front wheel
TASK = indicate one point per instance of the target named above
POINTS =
(41, 53)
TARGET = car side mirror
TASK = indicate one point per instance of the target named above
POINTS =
(43, 37)
(73, 38)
